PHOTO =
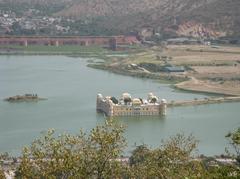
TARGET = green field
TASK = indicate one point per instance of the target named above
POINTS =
(65, 48)
(96, 51)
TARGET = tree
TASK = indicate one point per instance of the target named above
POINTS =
(171, 160)
(94, 155)
(127, 100)
(139, 154)
(114, 100)
(80, 156)
(2, 175)
(224, 171)
(153, 100)
(16, 28)
(3, 157)
(234, 140)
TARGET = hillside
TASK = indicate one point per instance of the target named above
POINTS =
(46, 7)
(205, 18)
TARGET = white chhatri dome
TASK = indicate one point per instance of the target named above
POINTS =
(99, 96)
(150, 96)
(136, 101)
(164, 101)
(126, 95)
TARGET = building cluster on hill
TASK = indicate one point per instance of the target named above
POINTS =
(11, 24)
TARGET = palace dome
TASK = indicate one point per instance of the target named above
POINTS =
(136, 101)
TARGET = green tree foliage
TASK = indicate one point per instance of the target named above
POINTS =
(3, 157)
(80, 156)
(223, 172)
(153, 100)
(94, 155)
(139, 155)
(172, 160)
(114, 100)
(234, 139)
(127, 100)
(2, 176)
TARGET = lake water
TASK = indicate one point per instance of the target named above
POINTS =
(71, 89)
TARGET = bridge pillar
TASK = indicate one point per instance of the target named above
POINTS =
(25, 43)
(56, 43)
(113, 43)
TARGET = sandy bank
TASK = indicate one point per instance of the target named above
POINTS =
(204, 101)
(231, 88)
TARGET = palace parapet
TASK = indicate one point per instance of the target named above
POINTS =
(128, 106)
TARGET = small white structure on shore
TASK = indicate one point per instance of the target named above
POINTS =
(128, 106)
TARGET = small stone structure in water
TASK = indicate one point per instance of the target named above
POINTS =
(128, 106)
(22, 98)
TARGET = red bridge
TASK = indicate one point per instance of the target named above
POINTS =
(111, 41)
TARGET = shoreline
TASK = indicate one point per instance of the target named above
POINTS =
(202, 92)
(213, 100)
(82, 54)
(204, 86)
(176, 82)
(171, 80)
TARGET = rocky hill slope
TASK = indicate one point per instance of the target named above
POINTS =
(205, 18)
